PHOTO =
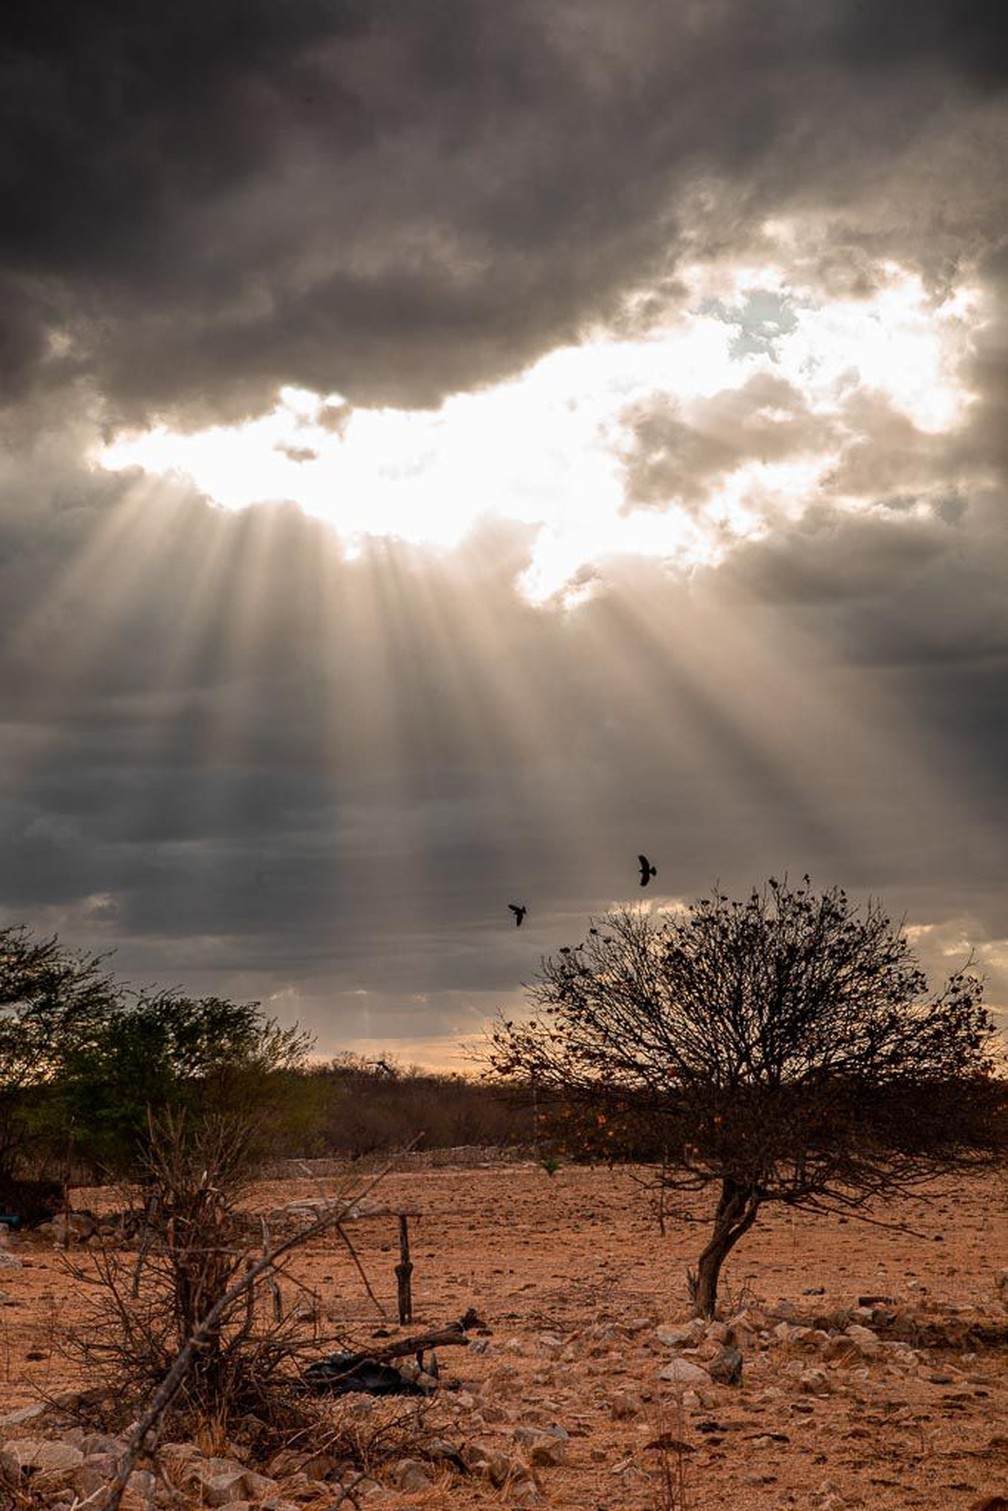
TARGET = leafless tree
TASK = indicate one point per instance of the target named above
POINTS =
(781, 1048)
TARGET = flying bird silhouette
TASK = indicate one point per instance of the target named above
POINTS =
(647, 870)
(519, 910)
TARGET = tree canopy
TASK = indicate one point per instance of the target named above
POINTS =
(165, 1052)
(81, 1053)
(780, 1048)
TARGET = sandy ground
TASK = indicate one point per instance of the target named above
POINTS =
(572, 1278)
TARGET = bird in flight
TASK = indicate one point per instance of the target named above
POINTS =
(647, 870)
(519, 910)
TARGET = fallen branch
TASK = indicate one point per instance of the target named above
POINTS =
(454, 1333)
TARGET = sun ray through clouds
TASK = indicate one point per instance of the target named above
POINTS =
(381, 640)
(443, 458)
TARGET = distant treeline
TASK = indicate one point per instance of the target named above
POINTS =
(361, 1107)
(345, 1108)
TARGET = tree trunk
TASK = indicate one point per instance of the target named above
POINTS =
(736, 1212)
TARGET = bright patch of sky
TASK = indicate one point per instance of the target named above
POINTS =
(548, 448)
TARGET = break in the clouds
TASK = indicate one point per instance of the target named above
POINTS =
(450, 447)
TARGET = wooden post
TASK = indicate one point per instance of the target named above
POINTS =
(403, 1271)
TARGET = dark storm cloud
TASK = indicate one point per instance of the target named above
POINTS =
(917, 604)
(971, 37)
(396, 200)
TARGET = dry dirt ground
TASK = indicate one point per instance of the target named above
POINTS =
(573, 1280)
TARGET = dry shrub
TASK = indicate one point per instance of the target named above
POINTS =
(197, 1257)
(669, 1477)
(18, 1494)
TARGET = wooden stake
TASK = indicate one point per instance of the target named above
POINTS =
(403, 1271)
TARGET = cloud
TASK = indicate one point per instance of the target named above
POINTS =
(395, 202)
(679, 451)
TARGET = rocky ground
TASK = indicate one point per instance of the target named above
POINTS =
(851, 1365)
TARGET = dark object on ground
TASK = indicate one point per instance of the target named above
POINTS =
(647, 870)
(34, 1201)
(519, 910)
(10, 1219)
(339, 1374)
(372, 1372)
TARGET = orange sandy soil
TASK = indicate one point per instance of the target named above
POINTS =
(572, 1277)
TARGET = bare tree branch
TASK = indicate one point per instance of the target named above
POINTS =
(780, 1048)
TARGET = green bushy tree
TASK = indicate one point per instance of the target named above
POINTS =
(50, 999)
(86, 1062)
(166, 1052)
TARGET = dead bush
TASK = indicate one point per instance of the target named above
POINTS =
(199, 1282)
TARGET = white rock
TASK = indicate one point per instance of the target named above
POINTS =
(682, 1372)
(684, 1333)
(39, 1455)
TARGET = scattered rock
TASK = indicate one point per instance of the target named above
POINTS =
(475, 1456)
(625, 1404)
(546, 1446)
(726, 1368)
(744, 1328)
(410, 1475)
(223, 1488)
(23, 1414)
(140, 1491)
(681, 1336)
(38, 1456)
(865, 1341)
(502, 1469)
(93, 1474)
(682, 1372)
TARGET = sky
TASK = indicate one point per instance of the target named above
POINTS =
(447, 448)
